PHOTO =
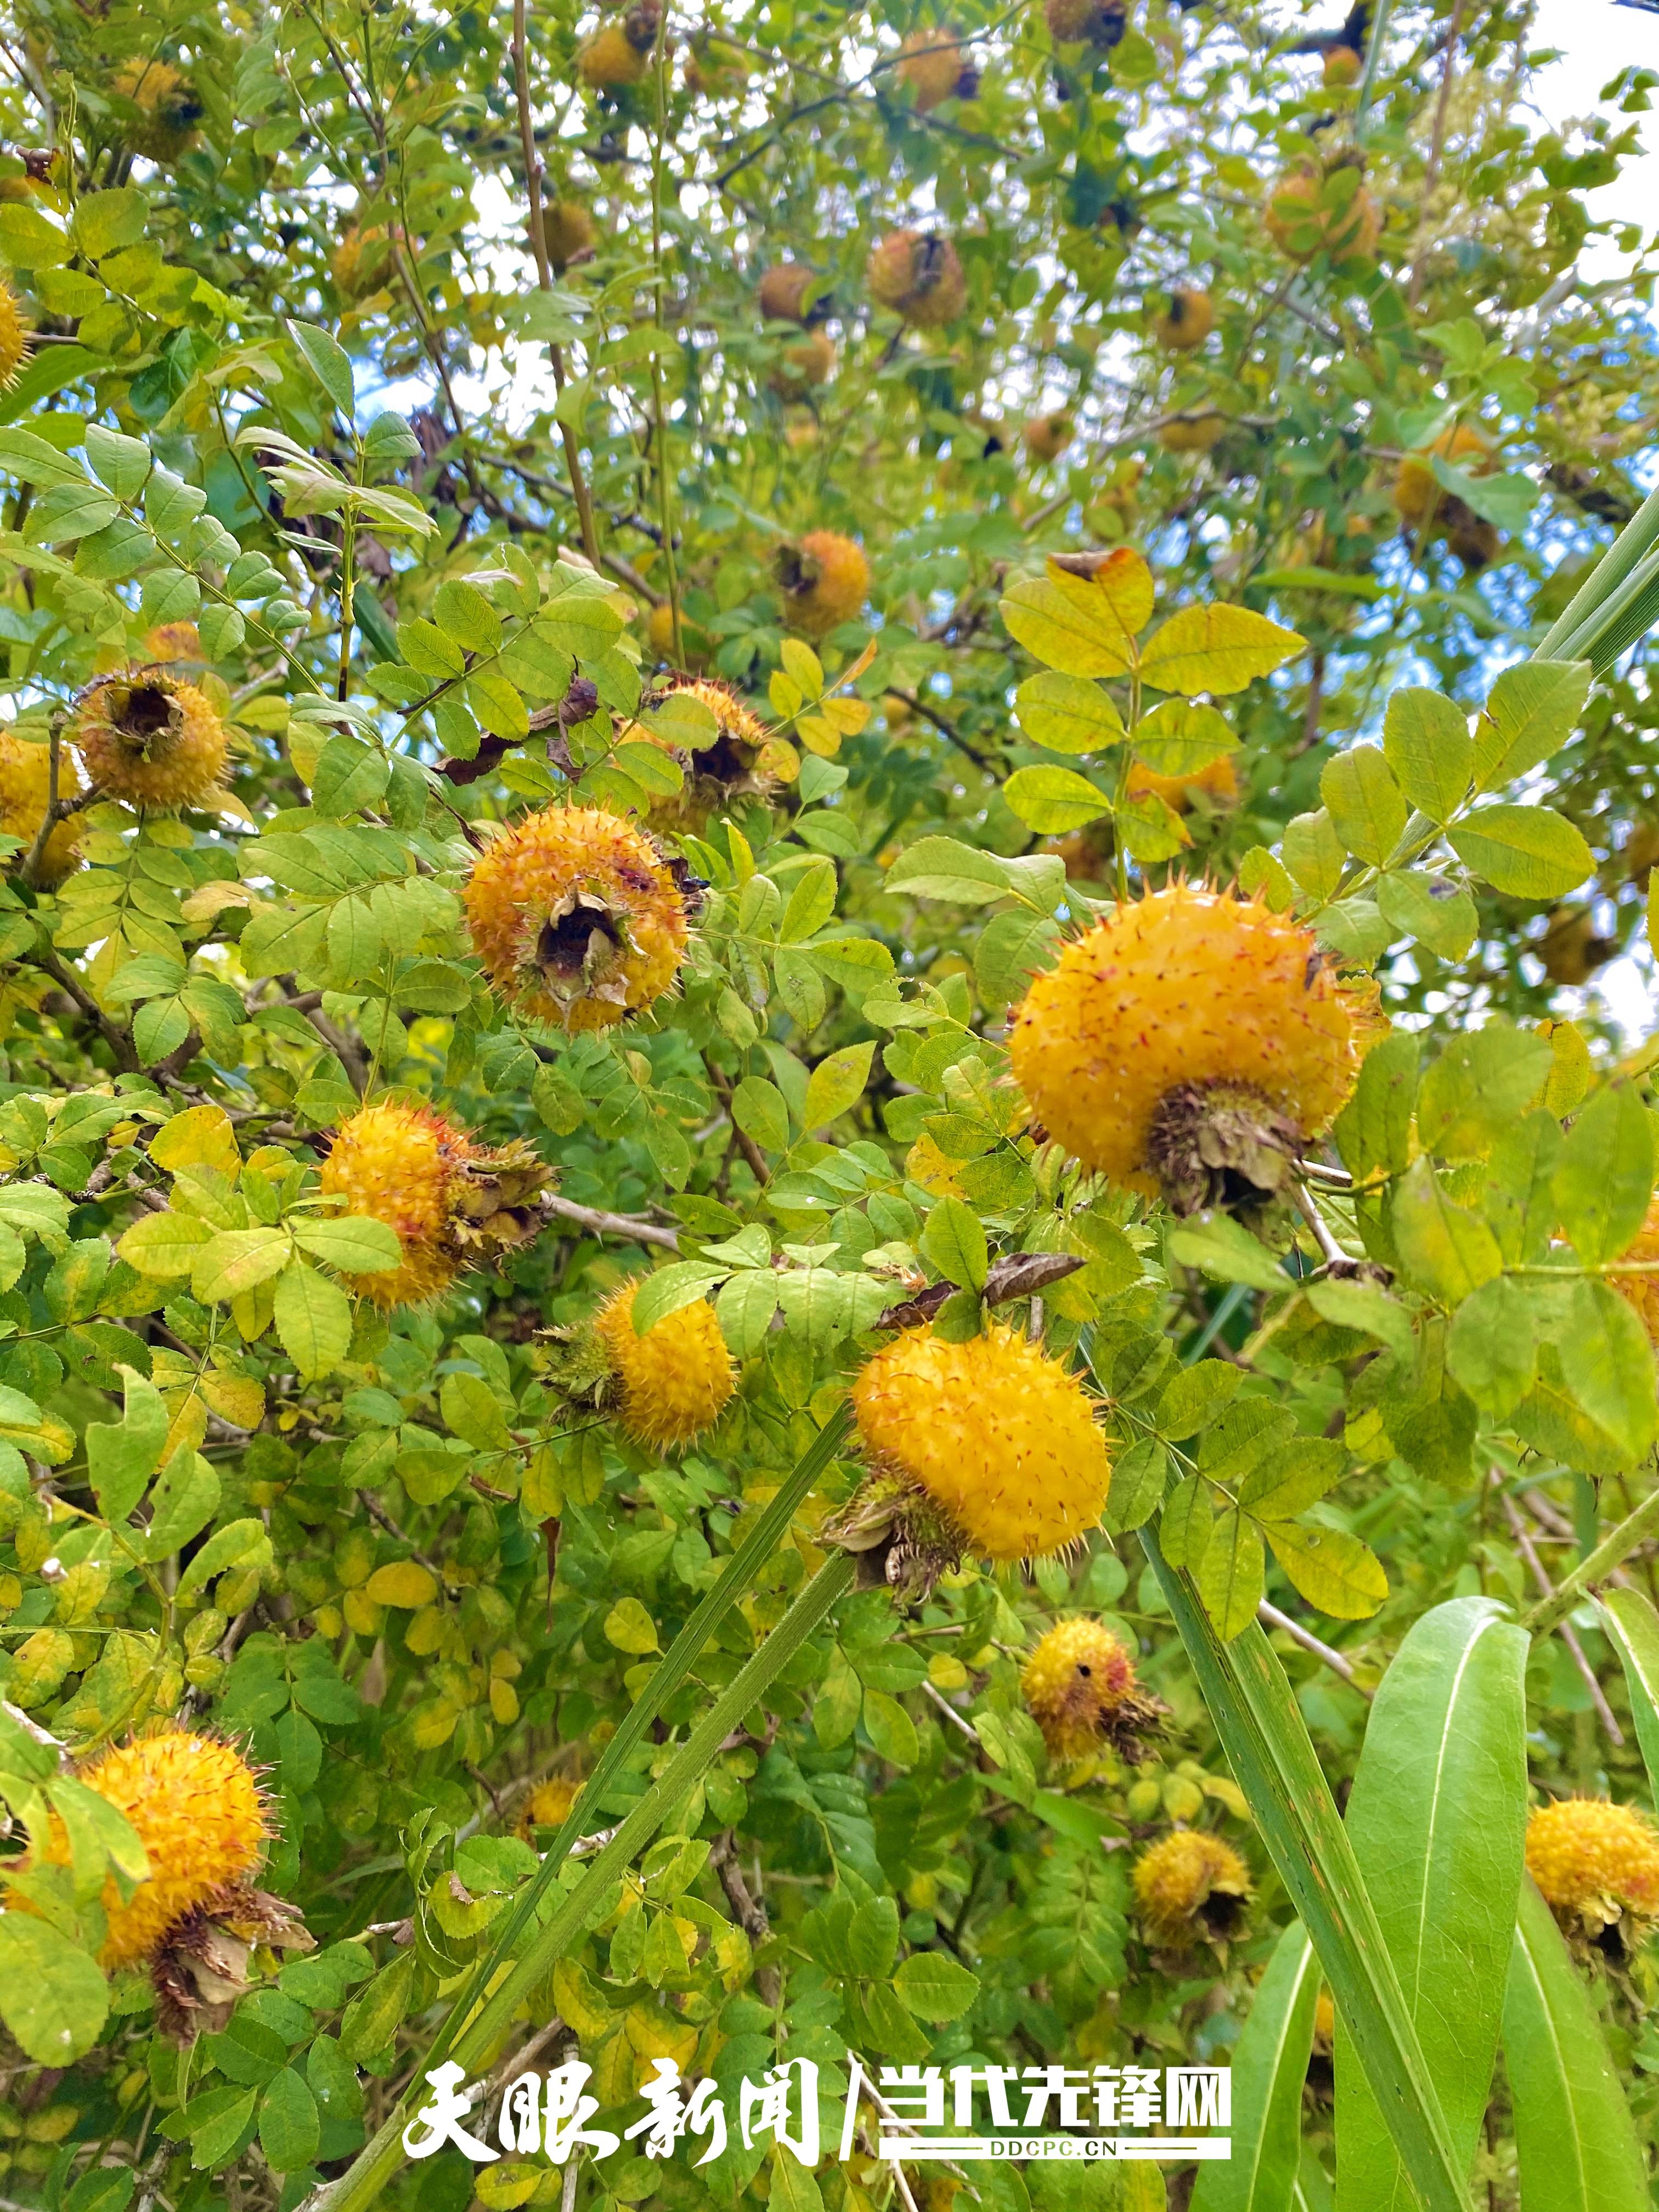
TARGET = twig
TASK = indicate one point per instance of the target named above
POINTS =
(1437, 146)
(750, 1912)
(1308, 1208)
(1271, 1617)
(600, 1224)
(1562, 1628)
(947, 729)
(939, 1699)
(377, 1512)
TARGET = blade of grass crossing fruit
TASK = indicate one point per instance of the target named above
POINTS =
(1270, 2064)
(1574, 2137)
(1632, 1628)
(1437, 1820)
(1274, 1760)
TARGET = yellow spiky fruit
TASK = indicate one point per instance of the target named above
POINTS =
(619, 54)
(1191, 1886)
(919, 275)
(177, 640)
(659, 635)
(999, 1439)
(1086, 22)
(825, 581)
(1217, 781)
(577, 916)
(1191, 1038)
(781, 292)
(1643, 1290)
(1195, 430)
(1312, 208)
(197, 1809)
(933, 64)
(1597, 1867)
(1047, 436)
(549, 1803)
(806, 365)
(25, 790)
(1080, 1687)
(169, 108)
(1342, 66)
(567, 232)
(741, 762)
(151, 740)
(1185, 320)
(674, 1381)
(14, 334)
(454, 1204)
(1419, 495)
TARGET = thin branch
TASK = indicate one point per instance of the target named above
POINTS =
(1596, 1566)
(1271, 1617)
(600, 1224)
(938, 1698)
(1437, 146)
(1562, 1628)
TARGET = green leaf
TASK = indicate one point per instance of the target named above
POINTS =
(1575, 2141)
(1633, 1628)
(836, 1085)
(1530, 852)
(1293, 1476)
(1179, 737)
(1188, 1517)
(1604, 1177)
(1438, 1819)
(1438, 914)
(228, 1547)
(328, 362)
(1358, 1305)
(1332, 1570)
(935, 1987)
(758, 1109)
(1607, 1365)
(680, 1284)
(164, 1244)
(1363, 802)
(313, 1320)
(28, 240)
(1067, 714)
(1478, 1088)
(52, 1998)
(942, 868)
(1257, 1717)
(121, 1457)
(1052, 800)
(356, 1243)
(185, 1499)
(744, 1308)
(349, 776)
(1443, 1250)
(1314, 853)
(1270, 2064)
(1373, 1129)
(1138, 1476)
(237, 1260)
(1231, 1576)
(1533, 709)
(1426, 742)
(953, 1241)
(466, 616)
(1012, 947)
(471, 1411)
(1223, 1247)
(104, 223)
(119, 462)
(1197, 1396)
(1491, 1347)
(891, 1730)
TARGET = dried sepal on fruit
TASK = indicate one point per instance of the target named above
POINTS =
(1193, 1043)
(25, 793)
(741, 764)
(987, 1447)
(455, 1204)
(578, 917)
(825, 580)
(1191, 1888)
(919, 275)
(203, 1819)
(169, 108)
(1597, 1865)
(151, 740)
(1081, 1689)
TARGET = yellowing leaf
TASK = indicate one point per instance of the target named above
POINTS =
(817, 735)
(630, 1627)
(1123, 583)
(1067, 624)
(1067, 714)
(837, 1082)
(200, 1137)
(164, 1244)
(803, 666)
(785, 693)
(1053, 801)
(1218, 649)
(1332, 1570)
(236, 1398)
(404, 1583)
